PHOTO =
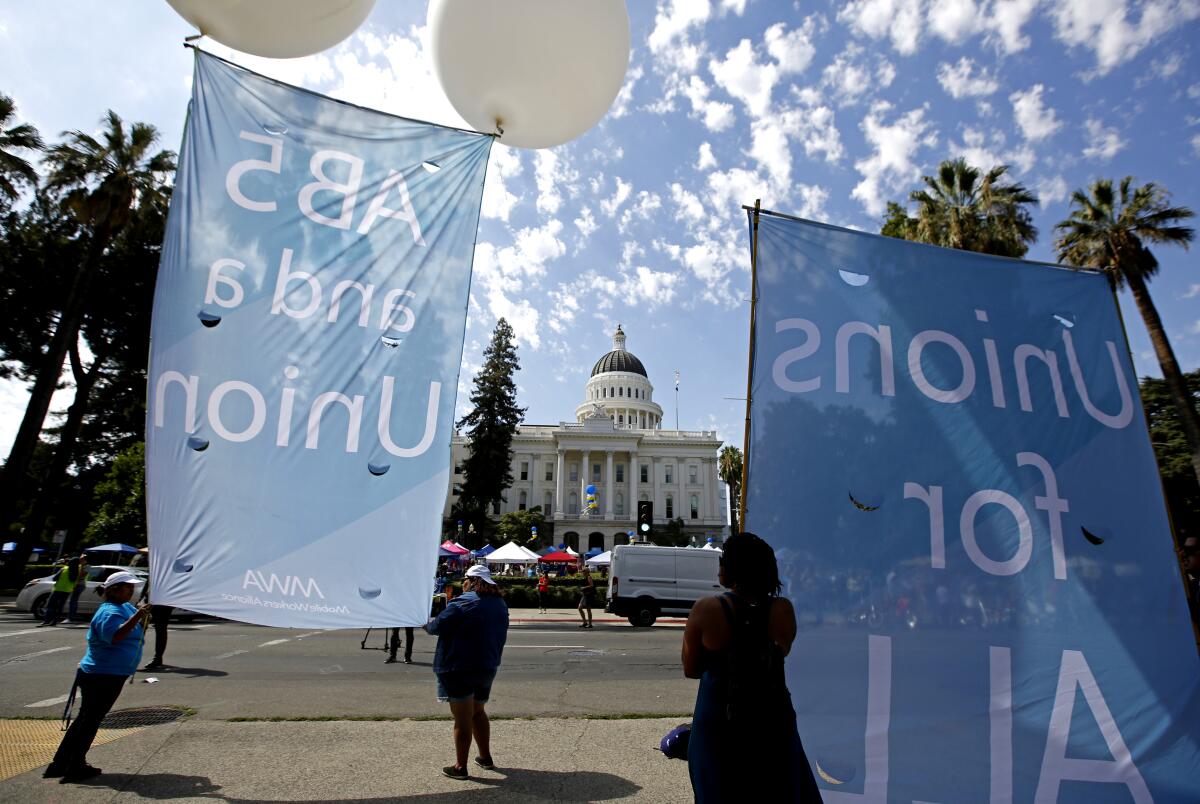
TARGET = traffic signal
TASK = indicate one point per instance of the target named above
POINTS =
(645, 520)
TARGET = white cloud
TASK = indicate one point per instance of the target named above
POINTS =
(654, 287)
(770, 149)
(812, 202)
(705, 158)
(717, 115)
(642, 208)
(620, 106)
(1192, 292)
(1007, 20)
(1104, 26)
(898, 20)
(586, 222)
(1196, 144)
(955, 20)
(669, 40)
(793, 51)
(890, 168)
(609, 206)
(1195, 330)
(960, 80)
(1037, 121)
(1102, 143)
(687, 205)
(815, 127)
(551, 173)
(498, 201)
(743, 77)
(850, 77)
(975, 150)
(1051, 190)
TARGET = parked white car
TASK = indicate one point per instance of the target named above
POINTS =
(645, 581)
(36, 594)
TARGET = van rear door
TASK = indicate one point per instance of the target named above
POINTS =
(696, 574)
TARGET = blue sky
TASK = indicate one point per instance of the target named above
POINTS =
(824, 110)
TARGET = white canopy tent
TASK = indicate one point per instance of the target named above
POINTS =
(602, 560)
(511, 553)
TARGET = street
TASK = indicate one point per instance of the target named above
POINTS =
(226, 670)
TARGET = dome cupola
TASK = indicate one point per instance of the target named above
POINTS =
(619, 359)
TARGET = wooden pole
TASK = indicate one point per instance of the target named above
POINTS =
(750, 363)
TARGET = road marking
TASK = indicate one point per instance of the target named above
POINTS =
(28, 656)
(231, 653)
(200, 625)
(47, 702)
(543, 646)
(273, 642)
(19, 633)
(310, 633)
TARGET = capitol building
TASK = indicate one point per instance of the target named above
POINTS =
(617, 444)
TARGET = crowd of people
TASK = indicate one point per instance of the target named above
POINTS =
(734, 644)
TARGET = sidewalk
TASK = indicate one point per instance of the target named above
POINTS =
(541, 760)
(599, 616)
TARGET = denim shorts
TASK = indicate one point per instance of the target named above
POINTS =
(465, 685)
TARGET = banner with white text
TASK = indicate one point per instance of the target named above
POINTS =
(308, 329)
(949, 456)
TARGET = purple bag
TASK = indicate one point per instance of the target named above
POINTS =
(675, 743)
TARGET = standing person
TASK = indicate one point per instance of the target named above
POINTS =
(114, 642)
(64, 585)
(735, 643)
(471, 632)
(161, 617)
(80, 585)
(543, 590)
(394, 645)
(587, 595)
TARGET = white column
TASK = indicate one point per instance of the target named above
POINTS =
(711, 480)
(558, 488)
(682, 502)
(586, 473)
(609, 487)
(631, 509)
(659, 511)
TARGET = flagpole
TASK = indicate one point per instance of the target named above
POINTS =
(677, 400)
(749, 365)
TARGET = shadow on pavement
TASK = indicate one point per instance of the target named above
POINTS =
(509, 784)
(190, 672)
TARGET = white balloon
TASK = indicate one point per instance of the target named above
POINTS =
(544, 71)
(276, 29)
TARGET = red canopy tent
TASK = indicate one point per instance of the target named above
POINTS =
(451, 547)
(559, 557)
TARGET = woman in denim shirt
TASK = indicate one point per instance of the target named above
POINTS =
(471, 632)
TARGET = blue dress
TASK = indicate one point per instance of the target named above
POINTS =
(757, 755)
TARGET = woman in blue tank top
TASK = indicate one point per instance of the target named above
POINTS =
(744, 743)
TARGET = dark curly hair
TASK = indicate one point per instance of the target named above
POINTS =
(750, 566)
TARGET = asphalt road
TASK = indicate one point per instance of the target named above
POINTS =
(224, 670)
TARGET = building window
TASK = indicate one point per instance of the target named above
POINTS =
(524, 470)
(457, 490)
(620, 473)
(628, 392)
(458, 468)
(573, 504)
(645, 473)
(620, 503)
(573, 474)
(547, 503)
(670, 507)
(692, 473)
(621, 419)
(668, 473)
(523, 503)
(620, 392)
(595, 473)
(549, 472)
(496, 508)
(695, 506)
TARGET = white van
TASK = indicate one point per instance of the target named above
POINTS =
(645, 581)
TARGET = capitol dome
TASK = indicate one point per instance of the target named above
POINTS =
(619, 359)
(620, 388)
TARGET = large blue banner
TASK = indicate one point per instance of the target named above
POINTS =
(308, 328)
(949, 455)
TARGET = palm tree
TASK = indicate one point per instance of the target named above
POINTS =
(14, 170)
(963, 208)
(729, 467)
(100, 183)
(1107, 231)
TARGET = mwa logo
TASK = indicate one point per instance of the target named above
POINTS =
(290, 585)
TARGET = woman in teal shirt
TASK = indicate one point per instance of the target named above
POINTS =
(115, 640)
